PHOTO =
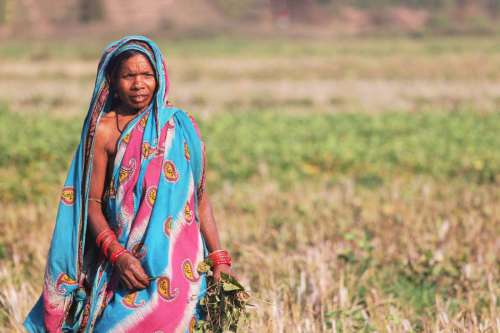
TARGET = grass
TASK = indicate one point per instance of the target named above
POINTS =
(263, 47)
(260, 145)
(312, 146)
(345, 188)
(355, 197)
(29, 165)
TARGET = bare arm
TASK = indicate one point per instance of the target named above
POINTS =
(97, 221)
(207, 223)
(131, 272)
(210, 233)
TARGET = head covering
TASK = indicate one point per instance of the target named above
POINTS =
(151, 204)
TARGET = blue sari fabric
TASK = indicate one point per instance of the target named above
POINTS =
(152, 206)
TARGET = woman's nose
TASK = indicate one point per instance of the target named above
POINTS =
(138, 82)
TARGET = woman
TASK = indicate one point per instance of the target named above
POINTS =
(134, 220)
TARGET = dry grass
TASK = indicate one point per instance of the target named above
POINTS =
(330, 76)
(410, 256)
(389, 234)
(413, 253)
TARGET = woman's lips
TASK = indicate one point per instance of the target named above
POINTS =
(138, 98)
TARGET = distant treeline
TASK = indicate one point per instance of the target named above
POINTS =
(399, 16)
(338, 16)
(427, 4)
(490, 7)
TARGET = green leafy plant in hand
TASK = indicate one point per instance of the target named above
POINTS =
(224, 304)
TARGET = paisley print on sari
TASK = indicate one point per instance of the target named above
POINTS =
(68, 195)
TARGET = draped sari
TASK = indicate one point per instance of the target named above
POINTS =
(152, 206)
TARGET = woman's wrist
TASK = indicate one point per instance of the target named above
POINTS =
(220, 257)
(115, 246)
(109, 245)
(104, 236)
(117, 254)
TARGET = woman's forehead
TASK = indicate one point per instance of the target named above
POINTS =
(136, 62)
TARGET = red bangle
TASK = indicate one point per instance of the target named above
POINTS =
(116, 255)
(106, 244)
(103, 235)
(220, 257)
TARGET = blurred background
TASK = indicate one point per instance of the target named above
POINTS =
(211, 17)
(353, 149)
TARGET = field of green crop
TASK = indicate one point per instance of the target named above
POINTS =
(355, 181)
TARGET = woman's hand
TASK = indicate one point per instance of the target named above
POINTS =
(131, 272)
(222, 269)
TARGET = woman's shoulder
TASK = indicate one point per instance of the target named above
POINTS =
(106, 123)
(106, 132)
(187, 118)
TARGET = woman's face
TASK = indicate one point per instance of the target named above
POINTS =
(135, 82)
